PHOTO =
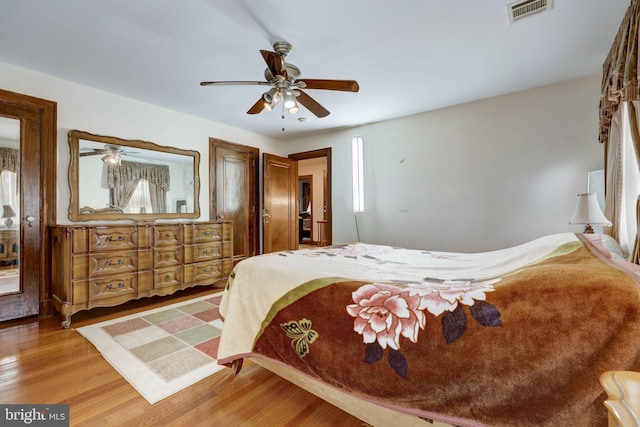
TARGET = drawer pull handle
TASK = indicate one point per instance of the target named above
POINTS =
(167, 256)
(110, 286)
(110, 238)
(167, 277)
(208, 270)
(119, 262)
(211, 233)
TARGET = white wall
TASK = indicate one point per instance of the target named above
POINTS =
(87, 109)
(474, 177)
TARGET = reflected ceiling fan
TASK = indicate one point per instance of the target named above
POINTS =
(286, 86)
(112, 153)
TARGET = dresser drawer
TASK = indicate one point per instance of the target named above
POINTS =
(167, 277)
(107, 239)
(107, 263)
(207, 272)
(203, 252)
(168, 235)
(201, 233)
(203, 272)
(86, 291)
(167, 256)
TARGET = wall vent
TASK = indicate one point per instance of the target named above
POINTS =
(522, 9)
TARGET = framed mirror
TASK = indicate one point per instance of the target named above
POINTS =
(113, 179)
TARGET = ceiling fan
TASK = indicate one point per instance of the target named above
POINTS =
(286, 86)
(112, 153)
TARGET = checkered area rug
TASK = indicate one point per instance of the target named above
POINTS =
(161, 351)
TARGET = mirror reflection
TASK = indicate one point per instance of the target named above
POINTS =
(10, 205)
(117, 179)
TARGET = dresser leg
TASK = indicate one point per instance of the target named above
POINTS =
(65, 312)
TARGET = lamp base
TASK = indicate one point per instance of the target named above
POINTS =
(8, 222)
(588, 229)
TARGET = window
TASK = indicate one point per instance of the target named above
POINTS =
(140, 201)
(358, 180)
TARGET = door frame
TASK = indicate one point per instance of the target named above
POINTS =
(322, 152)
(46, 112)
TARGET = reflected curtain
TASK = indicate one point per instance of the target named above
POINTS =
(158, 198)
(9, 183)
(619, 112)
(123, 193)
(9, 159)
(124, 178)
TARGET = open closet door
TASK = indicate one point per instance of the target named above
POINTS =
(279, 201)
(27, 135)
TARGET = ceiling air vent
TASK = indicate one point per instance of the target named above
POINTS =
(522, 9)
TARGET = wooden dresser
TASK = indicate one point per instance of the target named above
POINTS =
(9, 243)
(106, 265)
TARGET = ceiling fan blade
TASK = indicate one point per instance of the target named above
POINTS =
(275, 63)
(90, 153)
(344, 85)
(257, 107)
(240, 82)
(312, 105)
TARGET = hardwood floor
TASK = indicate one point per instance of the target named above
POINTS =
(41, 363)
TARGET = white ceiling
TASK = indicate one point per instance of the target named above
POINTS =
(408, 56)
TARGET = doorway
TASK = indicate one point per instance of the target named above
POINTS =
(305, 208)
(317, 163)
(26, 215)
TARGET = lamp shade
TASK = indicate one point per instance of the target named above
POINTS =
(7, 211)
(588, 212)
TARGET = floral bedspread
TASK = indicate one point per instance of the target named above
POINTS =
(511, 337)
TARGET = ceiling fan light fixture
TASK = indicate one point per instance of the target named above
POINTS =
(294, 109)
(112, 159)
(270, 105)
(270, 95)
(289, 99)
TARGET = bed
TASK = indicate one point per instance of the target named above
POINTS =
(518, 336)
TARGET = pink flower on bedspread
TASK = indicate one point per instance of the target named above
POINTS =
(440, 296)
(383, 313)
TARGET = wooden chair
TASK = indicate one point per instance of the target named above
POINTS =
(623, 403)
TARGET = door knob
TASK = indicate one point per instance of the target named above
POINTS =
(266, 216)
(30, 219)
(220, 217)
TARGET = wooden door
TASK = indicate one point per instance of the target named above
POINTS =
(233, 183)
(279, 200)
(35, 205)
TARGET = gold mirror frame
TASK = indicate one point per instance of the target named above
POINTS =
(85, 213)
